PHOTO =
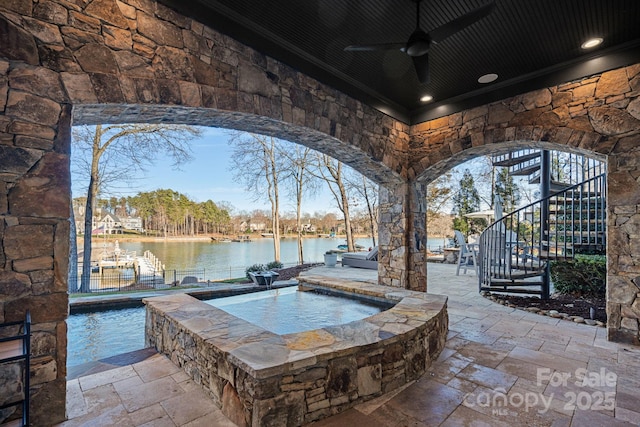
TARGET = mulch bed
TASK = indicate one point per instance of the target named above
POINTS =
(293, 272)
(562, 303)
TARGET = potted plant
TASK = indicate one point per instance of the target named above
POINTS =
(330, 259)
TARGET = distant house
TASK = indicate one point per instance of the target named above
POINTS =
(257, 226)
(107, 224)
(133, 223)
(110, 224)
(308, 228)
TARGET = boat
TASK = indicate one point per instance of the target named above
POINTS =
(345, 247)
(243, 238)
(267, 234)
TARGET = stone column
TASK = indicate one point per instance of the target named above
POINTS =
(402, 237)
(623, 242)
(35, 192)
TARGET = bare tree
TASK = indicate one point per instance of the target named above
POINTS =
(113, 154)
(255, 162)
(331, 171)
(368, 193)
(302, 182)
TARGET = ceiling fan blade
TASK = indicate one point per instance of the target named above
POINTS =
(374, 47)
(460, 23)
(421, 64)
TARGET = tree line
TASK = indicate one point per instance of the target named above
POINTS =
(191, 218)
(166, 212)
(172, 213)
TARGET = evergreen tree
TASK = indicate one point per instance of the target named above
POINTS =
(507, 189)
(465, 201)
(439, 192)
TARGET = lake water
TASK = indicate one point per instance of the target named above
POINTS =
(229, 260)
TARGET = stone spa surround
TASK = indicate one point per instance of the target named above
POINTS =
(259, 378)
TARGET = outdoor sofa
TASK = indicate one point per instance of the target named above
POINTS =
(361, 259)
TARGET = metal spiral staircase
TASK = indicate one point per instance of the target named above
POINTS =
(514, 252)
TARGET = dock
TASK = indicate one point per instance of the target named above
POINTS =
(148, 269)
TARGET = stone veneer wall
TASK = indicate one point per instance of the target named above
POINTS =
(35, 200)
(599, 115)
(402, 236)
(139, 61)
(259, 378)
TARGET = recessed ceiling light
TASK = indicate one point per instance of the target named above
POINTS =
(487, 78)
(426, 98)
(591, 43)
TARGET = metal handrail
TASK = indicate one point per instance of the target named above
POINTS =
(574, 167)
(517, 247)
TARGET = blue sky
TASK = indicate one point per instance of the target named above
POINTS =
(208, 176)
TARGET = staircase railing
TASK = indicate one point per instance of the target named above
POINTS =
(513, 157)
(567, 168)
(514, 251)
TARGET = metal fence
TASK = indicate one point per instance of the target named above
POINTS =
(123, 280)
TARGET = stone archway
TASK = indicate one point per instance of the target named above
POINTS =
(368, 163)
(623, 197)
(599, 115)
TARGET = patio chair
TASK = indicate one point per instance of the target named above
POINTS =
(361, 259)
(509, 258)
(467, 254)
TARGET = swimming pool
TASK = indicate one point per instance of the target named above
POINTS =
(97, 335)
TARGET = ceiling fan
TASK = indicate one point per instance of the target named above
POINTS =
(419, 43)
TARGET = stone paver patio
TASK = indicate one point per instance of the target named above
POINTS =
(500, 367)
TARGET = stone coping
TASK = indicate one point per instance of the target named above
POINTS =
(99, 302)
(262, 353)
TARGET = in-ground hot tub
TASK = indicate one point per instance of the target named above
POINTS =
(260, 378)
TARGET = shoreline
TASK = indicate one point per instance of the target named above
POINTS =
(125, 238)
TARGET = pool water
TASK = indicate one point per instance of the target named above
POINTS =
(286, 311)
(97, 335)
(94, 336)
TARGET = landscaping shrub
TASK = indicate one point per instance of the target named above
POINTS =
(273, 265)
(583, 276)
